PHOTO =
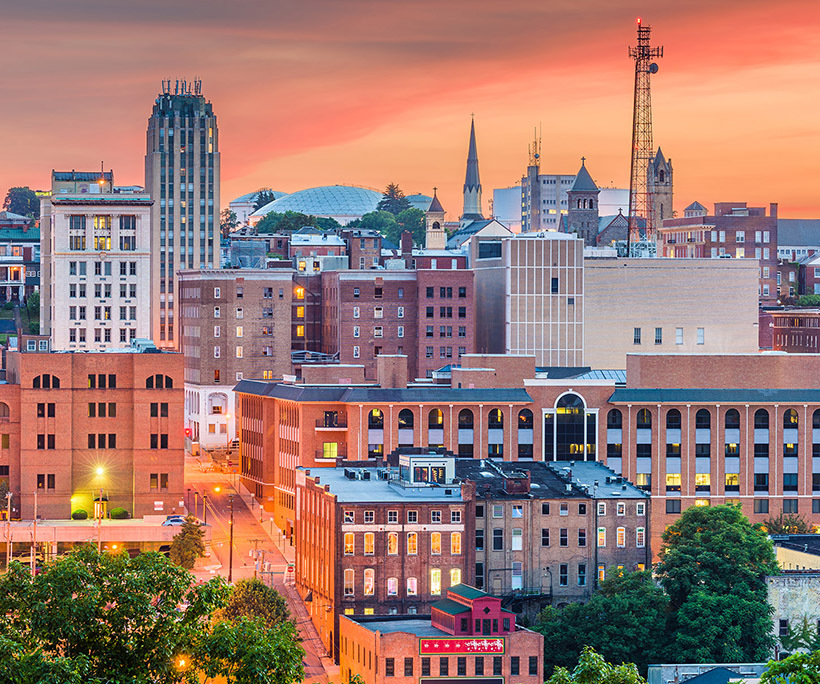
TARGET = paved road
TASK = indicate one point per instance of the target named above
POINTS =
(250, 534)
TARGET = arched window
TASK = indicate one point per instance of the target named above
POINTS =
(614, 419)
(673, 419)
(790, 419)
(496, 420)
(703, 420)
(761, 419)
(4, 410)
(644, 420)
(661, 176)
(731, 420)
(579, 204)
(435, 419)
(159, 381)
(525, 419)
(406, 419)
(570, 422)
(375, 420)
(436, 225)
(815, 419)
(465, 419)
(46, 381)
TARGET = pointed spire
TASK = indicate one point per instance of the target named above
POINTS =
(583, 181)
(435, 204)
(472, 180)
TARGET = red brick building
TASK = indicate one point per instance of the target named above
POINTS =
(467, 636)
(72, 425)
(734, 231)
(795, 330)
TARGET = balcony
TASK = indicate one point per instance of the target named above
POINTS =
(332, 423)
(341, 452)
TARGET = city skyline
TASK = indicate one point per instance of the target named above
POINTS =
(730, 104)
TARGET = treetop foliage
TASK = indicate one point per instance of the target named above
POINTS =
(393, 200)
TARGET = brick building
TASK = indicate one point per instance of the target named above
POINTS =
(427, 315)
(364, 247)
(234, 324)
(794, 330)
(120, 423)
(734, 231)
(19, 256)
(468, 635)
(379, 540)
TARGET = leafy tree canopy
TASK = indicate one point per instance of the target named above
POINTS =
(293, 220)
(414, 221)
(265, 196)
(22, 200)
(593, 669)
(107, 618)
(393, 200)
(714, 549)
(802, 637)
(227, 221)
(382, 221)
(252, 598)
(787, 523)
(188, 544)
(799, 668)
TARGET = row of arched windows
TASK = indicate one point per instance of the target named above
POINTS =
(48, 381)
(435, 419)
(703, 419)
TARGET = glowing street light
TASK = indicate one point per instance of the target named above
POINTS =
(100, 470)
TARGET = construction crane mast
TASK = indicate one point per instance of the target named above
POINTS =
(642, 237)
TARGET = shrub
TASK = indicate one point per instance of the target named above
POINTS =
(119, 514)
(79, 514)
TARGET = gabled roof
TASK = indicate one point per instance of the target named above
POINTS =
(583, 181)
(468, 592)
(718, 675)
(798, 232)
(696, 206)
(451, 607)
(11, 216)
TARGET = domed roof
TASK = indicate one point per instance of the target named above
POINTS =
(337, 201)
(420, 201)
(251, 196)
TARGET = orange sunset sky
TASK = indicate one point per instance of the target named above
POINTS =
(315, 92)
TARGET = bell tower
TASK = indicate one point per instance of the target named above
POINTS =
(436, 237)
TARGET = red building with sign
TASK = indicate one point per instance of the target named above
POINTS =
(467, 636)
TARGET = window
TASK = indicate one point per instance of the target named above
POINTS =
(408, 667)
(517, 539)
(517, 511)
(392, 586)
(620, 508)
(349, 543)
(601, 537)
(349, 588)
(582, 537)
(563, 575)
(435, 581)
(455, 543)
(761, 505)
(455, 576)
(356, 352)
(678, 335)
(620, 537)
(497, 665)
(563, 537)
(369, 543)
(640, 537)
(545, 537)
(412, 543)
(412, 586)
(673, 505)
(636, 336)
(435, 543)
(479, 539)
(700, 339)
(443, 666)
(389, 667)
(790, 506)
(658, 335)
(545, 509)
(601, 508)
(498, 539)
(498, 510)
(582, 574)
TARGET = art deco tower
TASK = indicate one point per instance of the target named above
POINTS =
(182, 175)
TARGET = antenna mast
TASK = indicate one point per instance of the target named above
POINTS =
(642, 237)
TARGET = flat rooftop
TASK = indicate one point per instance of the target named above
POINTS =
(419, 627)
(381, 491)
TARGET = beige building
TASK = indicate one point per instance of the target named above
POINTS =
(531, 286)
(96, 263)
(235, 324)
(795, 599)
(674, 306)
(182, 175)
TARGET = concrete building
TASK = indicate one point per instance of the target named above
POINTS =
(182, 176)
(93, 424)
(233, 324)
(468, 636)
(734, 231)
(674, 306)
(96, 263)
(795, 598)
(542, 307)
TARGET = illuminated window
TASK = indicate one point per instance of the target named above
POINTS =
(300, 312)
(601, 536)
(455, 576)
(642, 479)
(455, 543)
(349, 545)
(392, 543)
(435, 581)
(517, 539)
(640, 537)
(412, 586)
(392, 586)
(240, 331)
(732, 480)
(369, 581)
(703, 479)
(620, 508)
(369, 543)
(620, 537)
(435, 543)
(701, 502)
(267, 375)
(412, 543)
(369, 611)
(330, 450)
(673, 481)
(239, 352)
(299, 293)
(348, 583)
(601, 573)
(300, 331)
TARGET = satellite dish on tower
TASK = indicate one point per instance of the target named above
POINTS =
(653, 68)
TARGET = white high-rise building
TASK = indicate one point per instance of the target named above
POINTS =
(95, 245)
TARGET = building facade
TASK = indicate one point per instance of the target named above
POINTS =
(233, 324)
(19, 257)
(96, 264)
(182, 176)
(93, 425)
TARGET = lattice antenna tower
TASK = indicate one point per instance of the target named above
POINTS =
(642, 241)
(535, 148)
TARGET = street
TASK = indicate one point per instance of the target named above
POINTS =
(253, 530)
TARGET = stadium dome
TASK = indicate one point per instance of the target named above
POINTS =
(345, 203)
(420, 201)
(251, 196)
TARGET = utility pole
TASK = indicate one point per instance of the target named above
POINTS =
(204, 509)
(255, 559)
(99, 524)
(8, 530)
(34, 537)
(230, 547)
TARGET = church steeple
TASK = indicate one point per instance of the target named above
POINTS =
(472, 184)
(436, 237)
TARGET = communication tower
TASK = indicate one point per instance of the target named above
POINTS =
(642, 237)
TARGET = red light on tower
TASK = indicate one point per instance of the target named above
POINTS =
(639, 21)
(187, 432)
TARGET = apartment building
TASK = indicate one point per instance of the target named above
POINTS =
(96, 263)
(234, 324)
(734, 231)
(85, 430)
(19, 257)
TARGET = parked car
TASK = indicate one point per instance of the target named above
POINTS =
(174, 520)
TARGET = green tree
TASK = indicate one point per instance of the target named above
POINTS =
(393, 200)
(787, 523)
(252, 598)
(326, 223)
(263, 197)
(281, 223)
(593, 669)
(714, 549)
(799, 668)
(803, 637)
(809, 300)
(188, 544)
(227, 221)
(414, 221)
(22, 200)
(382, 221)
(625, 621)
(33, 305)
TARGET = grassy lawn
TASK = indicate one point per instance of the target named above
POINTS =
(6, 314)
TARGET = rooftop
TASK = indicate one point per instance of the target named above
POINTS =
(491, 478)
(584, 474)
(419, 626)
(330, 200)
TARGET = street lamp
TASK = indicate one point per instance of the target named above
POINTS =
(204, 509)
(230, 548)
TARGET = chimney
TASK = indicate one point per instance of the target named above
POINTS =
(773, 209)
(391, 371)
(406, 243)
